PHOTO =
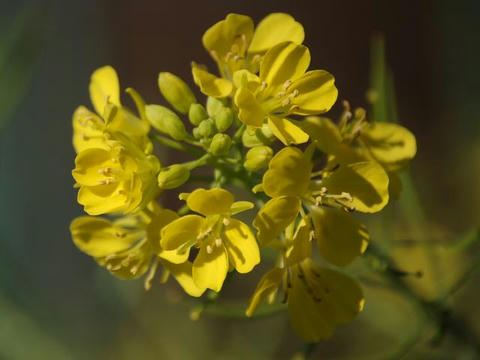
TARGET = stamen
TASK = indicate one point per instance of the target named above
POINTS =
(218, 242)
(106, 181)
(226, 221)
(263, 86)
(209, 249)
(286, 101)
(286, 84)
(151, 275)
(134, 270)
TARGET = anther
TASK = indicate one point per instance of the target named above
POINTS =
(286, 101)
(209, 249)
(263, 86)
(226, 221)
(134, 270)
(120, 234)
(295, 93)
(106, 181)
(218, 242)
(287, 84)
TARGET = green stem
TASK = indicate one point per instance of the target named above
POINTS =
(436, 311)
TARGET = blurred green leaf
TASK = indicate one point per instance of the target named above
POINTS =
(22, 338)
(21, 41)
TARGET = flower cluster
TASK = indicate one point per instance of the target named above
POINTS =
(305, 176)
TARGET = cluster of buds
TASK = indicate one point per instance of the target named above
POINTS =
(259, 130)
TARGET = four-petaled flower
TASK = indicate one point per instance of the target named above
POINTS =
(223, 243)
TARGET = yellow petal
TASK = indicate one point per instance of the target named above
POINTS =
(105, 199)
(210, 202)
(301, 247)
(99, 237)
(181, 232)
(241, 245)
(88, 130)
(274, 29)
(274, 217)
(104, 86)
(390, 144)
(250, 111)
(285, 61)
(340, 237)
(366, 182)
(316, 93)
(286, 131)
(324, 131)
(210, 84)
(288, 173)
(183, 275)
(321, 300)
(246, 79)
(241, 206)
(210, 270)
(221, 37)
(267, 286)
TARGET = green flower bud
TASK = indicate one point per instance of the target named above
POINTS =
(206, 128)
(197, 113)
(223, 119)
(257, 136)
(214, 106)
(196, 133)
(220, 144)
(173, 176)
(176, 92)
(166, 121)
(258, 158)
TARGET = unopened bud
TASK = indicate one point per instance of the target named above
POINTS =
(165, 120)
(197, 114)
(173, 176)
(223, 119)
(176, 92)
(214, 106)
(206, 128)
(257, 136)
(258, 158)
(220, 144)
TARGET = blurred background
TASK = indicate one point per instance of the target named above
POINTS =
(56, 303)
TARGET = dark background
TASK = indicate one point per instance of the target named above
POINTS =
(55, 303)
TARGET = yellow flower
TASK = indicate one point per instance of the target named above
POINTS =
(235, 45)
(118, 177)
(223, 243)
(284, 87)
(328, 196)
(355, 139)
(128, 247)
(90, 129)
(391, 145)
(318, 298)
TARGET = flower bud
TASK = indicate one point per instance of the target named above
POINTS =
(206, 128)
(166, 121)
(196, 114)
(173, 176)
(214, 106)
(223, 119)
(257, 136)
(220, 144)
(176, 92)
(258, 158)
